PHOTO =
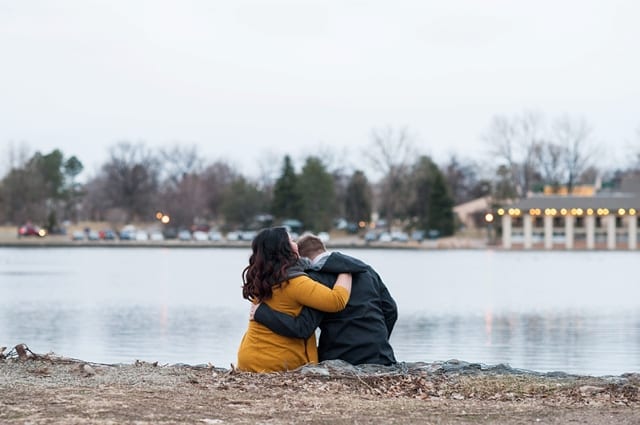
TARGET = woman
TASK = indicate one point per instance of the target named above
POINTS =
(275, 276)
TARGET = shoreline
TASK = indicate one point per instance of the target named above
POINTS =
(339, 240)
(340, 243)
(39, 389)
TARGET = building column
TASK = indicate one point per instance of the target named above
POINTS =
(527, 222)
(569, 236)
(590, 228)
(633, 232)
(611, 231)
(506, 231)
(548, 232)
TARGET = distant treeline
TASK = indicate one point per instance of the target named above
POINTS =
(413, 192)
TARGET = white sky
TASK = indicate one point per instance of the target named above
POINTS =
(245, 78)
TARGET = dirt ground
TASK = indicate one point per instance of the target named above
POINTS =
(48, 389)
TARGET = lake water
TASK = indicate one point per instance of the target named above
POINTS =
(577, 312)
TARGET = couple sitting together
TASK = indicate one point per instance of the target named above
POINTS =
(297, 287)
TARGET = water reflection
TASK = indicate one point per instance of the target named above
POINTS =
(583, 343)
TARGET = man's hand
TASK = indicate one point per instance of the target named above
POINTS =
(254, 307)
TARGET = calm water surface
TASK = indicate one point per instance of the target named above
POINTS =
(577, 312)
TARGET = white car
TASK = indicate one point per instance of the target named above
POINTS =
(400, 236)
(248, 235)
(200, 236)
(78, 235)
(156, 236)
(233, 236)
(184, 235)
(141, 235)
(385, 237)
(215, 236)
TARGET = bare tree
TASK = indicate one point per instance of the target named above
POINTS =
(182, 190)
(573, 135)
(217, 178)
(516, 143)
(391, 152)
(551, 158)
(178, 161)
(131, 177)
(95, 205)
(16, 156)
(268, 164)
(462, 178)
(186, 201)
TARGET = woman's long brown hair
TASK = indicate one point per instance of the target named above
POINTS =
(268, 265)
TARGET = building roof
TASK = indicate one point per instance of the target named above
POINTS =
(611, 201)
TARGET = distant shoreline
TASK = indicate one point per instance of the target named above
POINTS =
(342, 243)
(339, 240)
(181, 244)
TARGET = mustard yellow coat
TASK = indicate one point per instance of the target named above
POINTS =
(262, 350)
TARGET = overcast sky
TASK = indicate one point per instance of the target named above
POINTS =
(246, 79)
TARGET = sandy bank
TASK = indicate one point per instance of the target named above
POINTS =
(44, 389)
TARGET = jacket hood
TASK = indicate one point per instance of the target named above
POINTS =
(338, 262)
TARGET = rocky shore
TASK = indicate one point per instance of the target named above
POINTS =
(50, 389)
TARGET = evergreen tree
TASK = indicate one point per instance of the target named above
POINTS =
(287, 201)
(51, 167)
(318, 195)
(38, 190)
(72, 167)
(242, 203)
(358, 199)
(441, 217)
(431, 203)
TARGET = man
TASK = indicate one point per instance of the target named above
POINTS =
(360, 333)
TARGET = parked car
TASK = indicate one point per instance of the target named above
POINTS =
(399, 236)
(215, 236)
(248, 235)
(141, 235)
(418, 235)
(371, 236)
(385, 237)
(128, 233)
(233, 236)
(31, 230)
(156, 236)
(200, 236)
(107, 234)
(78, 235)
(184, 235)
(170, 233)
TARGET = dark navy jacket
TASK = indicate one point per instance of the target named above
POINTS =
(360, 333)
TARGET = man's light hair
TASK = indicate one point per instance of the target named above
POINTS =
(310, 246)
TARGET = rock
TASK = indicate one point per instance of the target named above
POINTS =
(87, 370)
(23, 352)
(587, 390)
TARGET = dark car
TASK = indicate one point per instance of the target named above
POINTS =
(31, 230)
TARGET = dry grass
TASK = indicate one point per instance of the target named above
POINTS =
(49, 389)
